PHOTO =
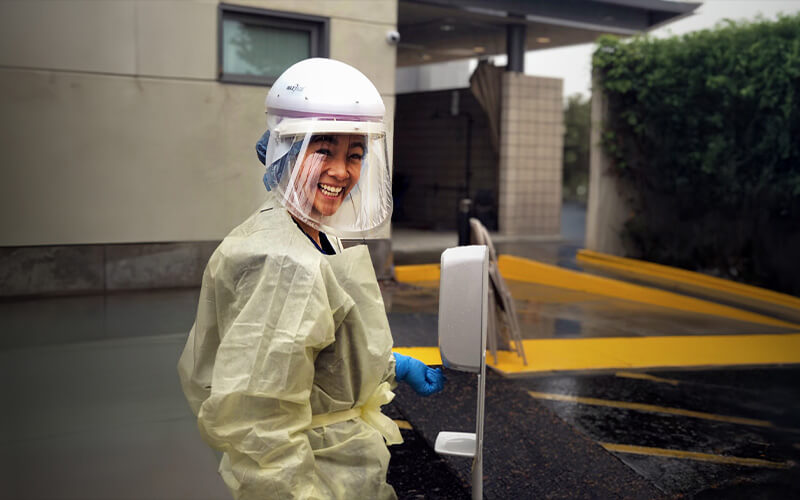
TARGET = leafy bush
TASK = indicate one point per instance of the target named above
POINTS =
(706, 127)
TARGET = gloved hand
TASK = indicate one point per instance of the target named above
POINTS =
(423, 379)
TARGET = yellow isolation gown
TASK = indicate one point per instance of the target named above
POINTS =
(287, 365)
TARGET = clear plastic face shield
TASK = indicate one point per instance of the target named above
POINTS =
(332, 174)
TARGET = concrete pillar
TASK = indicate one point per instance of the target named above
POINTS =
(607, 208)
(531, 148)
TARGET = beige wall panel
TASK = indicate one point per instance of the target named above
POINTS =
(93, 158)
(78, 35)
(177, 38)
(105, 159)
(373, 11)
(241, 125)
(364, 46)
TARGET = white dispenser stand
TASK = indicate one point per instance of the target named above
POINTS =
(463, 306)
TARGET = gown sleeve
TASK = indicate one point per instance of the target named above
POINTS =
(274, 316)
(389, 374)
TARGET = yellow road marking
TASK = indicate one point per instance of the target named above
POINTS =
(517, 268)
(645, 376)
(693, 455)
(615, 353)
(649, 408)
(666, 274)
(403, 424)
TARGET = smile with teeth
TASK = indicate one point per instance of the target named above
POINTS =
(329, 191)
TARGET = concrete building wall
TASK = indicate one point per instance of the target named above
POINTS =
(531, 149)
(115, 129)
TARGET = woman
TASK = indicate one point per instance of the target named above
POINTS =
(289, 359)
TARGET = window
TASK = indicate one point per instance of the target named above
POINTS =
(256, 46)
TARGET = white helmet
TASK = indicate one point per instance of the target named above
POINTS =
(326, 156)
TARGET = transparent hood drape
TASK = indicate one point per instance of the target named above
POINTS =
(330, 172)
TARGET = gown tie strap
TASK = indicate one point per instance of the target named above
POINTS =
(369, 412)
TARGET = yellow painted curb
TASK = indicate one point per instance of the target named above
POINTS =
(428, 355)
(422, 272)
(546, 355)
(614, 353)
(519, 269)
(681, 279)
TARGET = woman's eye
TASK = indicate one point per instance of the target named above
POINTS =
(357, 156)
(323, 151)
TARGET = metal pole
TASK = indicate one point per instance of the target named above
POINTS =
(477, 464)
(465, 204)
(468, 155)
(515, 47)
(464, 209)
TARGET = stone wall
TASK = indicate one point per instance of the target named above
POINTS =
(99, 269)
(90, 269)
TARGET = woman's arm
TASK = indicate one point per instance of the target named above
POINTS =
(264, 369)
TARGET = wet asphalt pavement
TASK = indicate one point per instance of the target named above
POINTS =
(529, 452)
(725, 414)
(699, 433)
(538, 448)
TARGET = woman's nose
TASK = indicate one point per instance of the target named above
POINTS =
(337, 167)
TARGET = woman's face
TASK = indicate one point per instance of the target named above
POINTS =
(338, 160)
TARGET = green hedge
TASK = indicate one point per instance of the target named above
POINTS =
(706, 128)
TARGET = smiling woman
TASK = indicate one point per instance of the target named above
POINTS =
(290, 356)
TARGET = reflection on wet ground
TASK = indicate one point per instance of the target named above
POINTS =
(61, 320)
(544, 312)
(547, 312)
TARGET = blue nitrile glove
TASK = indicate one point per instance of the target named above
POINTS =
(423, 379)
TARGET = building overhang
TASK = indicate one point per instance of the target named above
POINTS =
(446, 30)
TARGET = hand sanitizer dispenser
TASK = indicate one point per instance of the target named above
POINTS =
(463, 306)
